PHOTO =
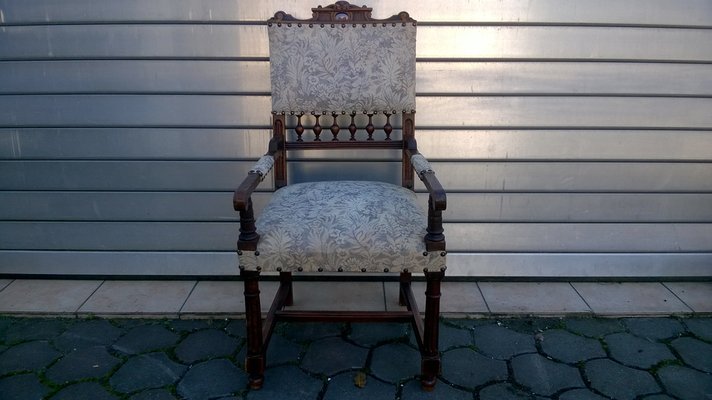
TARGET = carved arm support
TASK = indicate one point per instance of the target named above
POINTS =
(242, 198)
(437, 201)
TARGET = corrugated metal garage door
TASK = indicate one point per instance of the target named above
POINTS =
(574, 137)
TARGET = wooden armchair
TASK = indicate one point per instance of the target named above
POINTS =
(348, 72)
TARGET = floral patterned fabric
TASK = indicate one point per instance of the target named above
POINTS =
(342, 68)
(263, 165)
(348, 226)
(420, 164)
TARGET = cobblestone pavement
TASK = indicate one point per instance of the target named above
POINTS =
(551, 358)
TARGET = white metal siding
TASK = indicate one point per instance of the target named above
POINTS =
(574, 137)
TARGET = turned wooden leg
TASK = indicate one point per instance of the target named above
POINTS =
(405, 279)
(285, 278)
(430, 365)
(255, 360)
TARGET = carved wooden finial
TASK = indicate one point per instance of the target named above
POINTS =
(341, 12)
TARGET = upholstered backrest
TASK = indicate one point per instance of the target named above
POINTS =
(355, 65)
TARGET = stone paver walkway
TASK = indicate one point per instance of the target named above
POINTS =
(494, 358)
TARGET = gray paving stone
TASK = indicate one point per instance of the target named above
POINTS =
(467, 368)
(5, 323)
(503, 391)
(659, 397)
(153, 394)
(580, 394)
(84, 391)
(442, 391)
(280, 351)
(395, 362)
(635, 351)
(342, 387)
(146, 371)
(471, 323)
(370, 334)
(544, 376)
(700, 327)
(22, 387)
(502, 343)
(694, 353)
(128, 323)
(287, 379)
(654, 328)
(84, 363)
(189, 325)
(22, 330)
(27, 356)
(686, 383)
(332, 355)
(236, 328)
(618, 381)
(88, 333)
(212, 379)
(454, 337)
(206, 344)
(145, 338)
(533, 325)
(310, 331)
(594, 327)
(449, 337)
(567, 347)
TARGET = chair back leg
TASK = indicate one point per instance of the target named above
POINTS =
(431, 365)
(255, 360)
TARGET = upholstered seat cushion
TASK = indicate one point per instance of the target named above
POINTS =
(340, 226)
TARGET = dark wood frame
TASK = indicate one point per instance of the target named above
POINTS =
(427, 329)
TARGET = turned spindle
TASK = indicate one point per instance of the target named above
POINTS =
(334, 128)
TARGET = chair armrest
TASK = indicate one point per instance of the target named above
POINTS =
(420, 164)
(256, 174)
(437, 193)
(241, 197)
(437, 199)
(427, 175)
(263, 165)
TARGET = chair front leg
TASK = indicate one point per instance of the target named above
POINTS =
(255, 360)
(430, 364)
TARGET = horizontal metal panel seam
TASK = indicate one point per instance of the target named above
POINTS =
(465, 265)
(429, 94)
(493, 160)
(496, 237)
(218, 22)
(421, 127)
(687, 12)
(419, 59)
(250, 41)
